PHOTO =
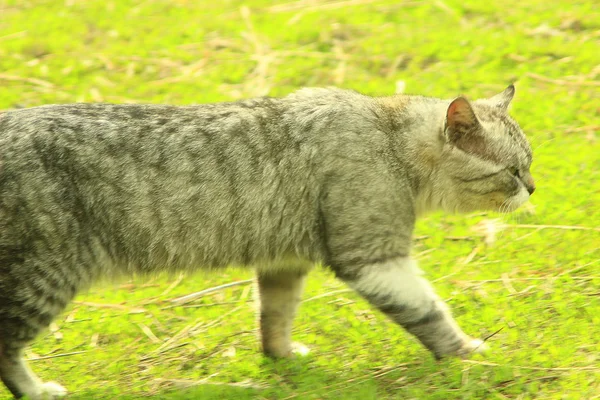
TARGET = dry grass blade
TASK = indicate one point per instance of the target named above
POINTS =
(349, 382)
(588, 128)
(304, 5)
(194, 296)
(563, 82)
(579, 267)
(566, 369)
(191, 330)
(259, 84)
(183, 332)
(327, 294)
(172, 285)
(57, 355)
(131, 310)
(14, 35)
(34, 81)
(148, 332)
(471, 255)
(562, 227)
(507, 284)
(187, 383)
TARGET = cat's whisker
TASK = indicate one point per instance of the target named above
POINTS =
(545, 142)
(505, 206)
(505, 214)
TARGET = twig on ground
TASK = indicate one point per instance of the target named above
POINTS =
(485, 339)
(459, 238)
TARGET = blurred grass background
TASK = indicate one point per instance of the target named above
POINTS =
(535, 273)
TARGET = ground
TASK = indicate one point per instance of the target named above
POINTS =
(532, 277)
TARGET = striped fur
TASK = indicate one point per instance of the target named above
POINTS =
(398, 289)
(96, 191)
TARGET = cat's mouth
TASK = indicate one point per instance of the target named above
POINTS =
(514, 202)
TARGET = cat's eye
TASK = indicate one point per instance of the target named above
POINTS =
(515, 171)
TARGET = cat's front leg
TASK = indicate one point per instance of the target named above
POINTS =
(397, 288)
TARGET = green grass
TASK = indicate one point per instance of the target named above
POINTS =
(540, 285)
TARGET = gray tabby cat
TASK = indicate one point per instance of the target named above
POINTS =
(90, 191)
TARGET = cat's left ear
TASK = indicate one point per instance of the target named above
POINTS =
(503, 99)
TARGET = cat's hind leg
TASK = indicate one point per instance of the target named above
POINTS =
(32, 294)
(280, 294)
(19, 378)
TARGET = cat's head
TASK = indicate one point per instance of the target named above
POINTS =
(485, 159)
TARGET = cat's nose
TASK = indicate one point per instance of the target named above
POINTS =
(530, 184)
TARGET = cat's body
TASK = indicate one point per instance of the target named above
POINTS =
(322, 175)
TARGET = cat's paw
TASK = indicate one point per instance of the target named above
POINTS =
(472, 346)
(48, 391)
(291, 350)
(298, 349)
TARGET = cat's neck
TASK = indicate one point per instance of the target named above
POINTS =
(418, 124)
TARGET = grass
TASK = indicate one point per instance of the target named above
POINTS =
(536, 274)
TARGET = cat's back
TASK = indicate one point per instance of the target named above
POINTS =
(84, 129)
(204, 185)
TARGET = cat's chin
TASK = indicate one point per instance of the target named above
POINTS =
(514, 202)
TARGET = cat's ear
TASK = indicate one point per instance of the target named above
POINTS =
(462, 126)
(460, 119)
(503, 99)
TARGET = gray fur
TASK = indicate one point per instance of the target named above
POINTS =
(89, 191)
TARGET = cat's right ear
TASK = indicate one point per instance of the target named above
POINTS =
(462, 128)
(503, 99)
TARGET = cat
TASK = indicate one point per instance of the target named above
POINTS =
(90, 191)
